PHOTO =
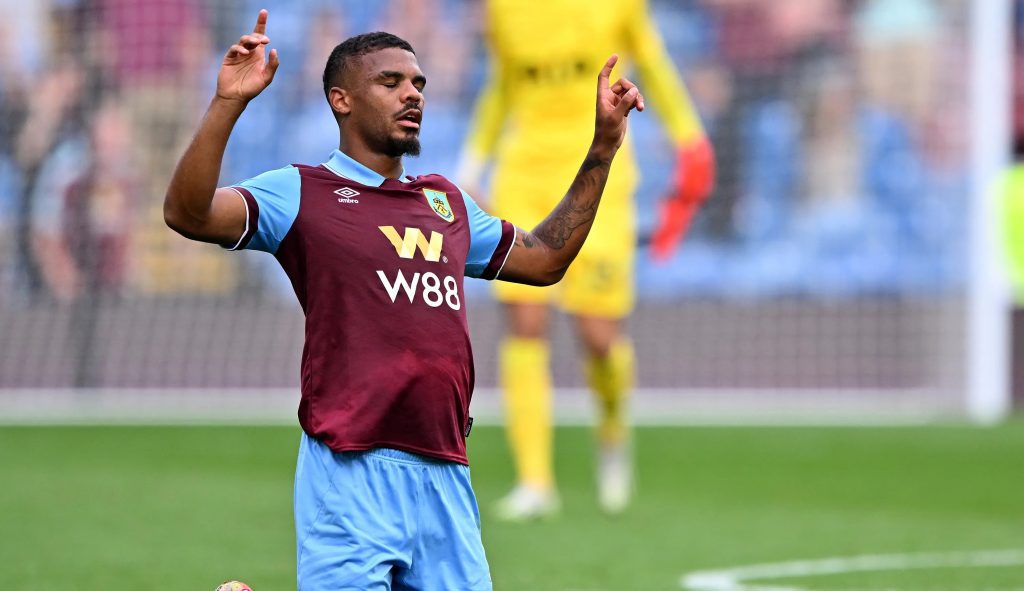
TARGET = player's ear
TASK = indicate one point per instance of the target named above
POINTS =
(340, 100)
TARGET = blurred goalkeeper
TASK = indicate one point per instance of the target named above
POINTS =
(535, 120)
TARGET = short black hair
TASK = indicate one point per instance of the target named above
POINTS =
(357, 46)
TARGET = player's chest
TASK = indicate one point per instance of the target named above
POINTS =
(352, 227)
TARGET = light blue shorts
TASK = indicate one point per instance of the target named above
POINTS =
(385, 520)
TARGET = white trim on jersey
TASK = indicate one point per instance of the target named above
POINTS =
(515, 232)
(245, 232)
(327, 165)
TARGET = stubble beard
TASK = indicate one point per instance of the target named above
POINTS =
(407, 146)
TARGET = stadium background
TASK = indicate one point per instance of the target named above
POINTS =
(828, 275)
(845, 270)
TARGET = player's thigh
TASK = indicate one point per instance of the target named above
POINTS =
(598, 333)
(599, 284)
(526, 320)
(449, 552)
(352, 520)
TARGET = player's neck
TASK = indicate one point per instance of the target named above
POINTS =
(387, 166)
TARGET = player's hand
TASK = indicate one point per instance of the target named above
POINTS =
(246, 71)
(614, 102)
(692, 183)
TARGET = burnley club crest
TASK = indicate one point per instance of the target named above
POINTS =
(438, 201)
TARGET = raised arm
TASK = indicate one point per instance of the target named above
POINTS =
(193, 206)
(542, 256)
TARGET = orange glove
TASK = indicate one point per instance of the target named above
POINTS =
(694, 178)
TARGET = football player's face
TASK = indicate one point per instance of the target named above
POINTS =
(387, 107)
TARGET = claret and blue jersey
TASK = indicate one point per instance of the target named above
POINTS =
(378, 267)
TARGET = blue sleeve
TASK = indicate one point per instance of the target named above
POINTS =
(490, 240)
(272, 203)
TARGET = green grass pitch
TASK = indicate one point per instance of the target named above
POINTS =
(183, 508)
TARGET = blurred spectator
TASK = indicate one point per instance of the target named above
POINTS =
(897, 53)
(53, 116)
(765, 47)
(10, 184)
(24, 44)
(54, 113)
(83, 215)
(24, 41)
(161, 88)
(916, 151)
(84, 210)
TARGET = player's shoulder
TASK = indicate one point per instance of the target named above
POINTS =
(437, 186)
(432, 177)
(436, 182)
(316, 171)
(282, 181)
(273, 175)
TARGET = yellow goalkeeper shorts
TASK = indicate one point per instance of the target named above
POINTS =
(600, 281)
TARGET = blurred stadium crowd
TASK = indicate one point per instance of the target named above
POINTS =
(840, 126)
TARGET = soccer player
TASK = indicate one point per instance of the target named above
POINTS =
(377, 259)
(534, 118)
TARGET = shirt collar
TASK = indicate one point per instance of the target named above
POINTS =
(343, 165)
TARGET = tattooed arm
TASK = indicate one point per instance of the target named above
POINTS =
(542, 256)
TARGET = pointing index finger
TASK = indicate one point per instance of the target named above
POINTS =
(606, 71)
(261, 23)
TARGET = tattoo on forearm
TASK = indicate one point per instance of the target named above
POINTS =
(579, 206)
(590, 162)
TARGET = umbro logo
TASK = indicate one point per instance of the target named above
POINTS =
(346, 195)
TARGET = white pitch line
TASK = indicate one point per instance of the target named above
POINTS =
(735, 579)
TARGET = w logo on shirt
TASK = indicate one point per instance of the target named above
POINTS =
(414, 239)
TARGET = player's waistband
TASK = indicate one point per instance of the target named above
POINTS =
(314, 445)
(397, 455)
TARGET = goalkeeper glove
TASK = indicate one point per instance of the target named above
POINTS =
(692, 183)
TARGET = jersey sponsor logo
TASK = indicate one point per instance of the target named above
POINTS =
(431, 289)
(413, 239)
(346, 195)
(438, 201)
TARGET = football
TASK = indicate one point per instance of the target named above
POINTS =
(233, 586)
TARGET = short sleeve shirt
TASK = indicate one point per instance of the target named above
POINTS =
(378, 265)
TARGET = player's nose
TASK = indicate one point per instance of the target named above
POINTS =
(412, 94)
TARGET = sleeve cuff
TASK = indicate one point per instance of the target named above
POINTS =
(252, 216)
(501, 252)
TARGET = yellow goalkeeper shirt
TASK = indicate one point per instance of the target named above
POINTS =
(537, 111)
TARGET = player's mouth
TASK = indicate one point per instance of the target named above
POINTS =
(410, 118)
